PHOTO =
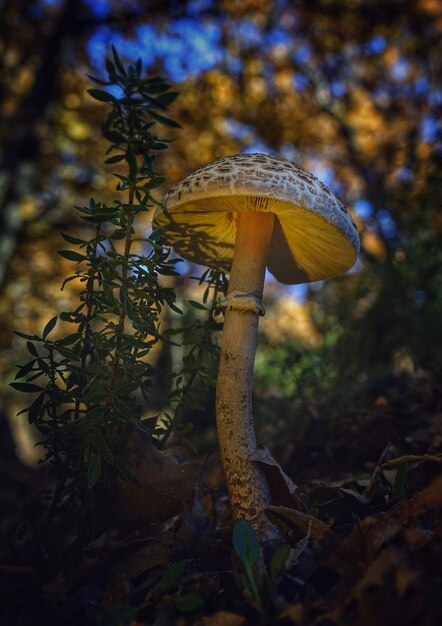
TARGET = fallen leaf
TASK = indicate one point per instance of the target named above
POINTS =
(369, 535)
(224, 618)
(117, 591)
(307, 524)
(357, 600)
(325, 541)
(142, 556)
(295, 613)
(283, 489)
(164, 488)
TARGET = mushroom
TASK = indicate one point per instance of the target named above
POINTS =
(242, 214)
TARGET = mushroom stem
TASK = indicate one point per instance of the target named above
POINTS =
(248, 489)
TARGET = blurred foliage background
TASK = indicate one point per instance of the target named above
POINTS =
(349, 89)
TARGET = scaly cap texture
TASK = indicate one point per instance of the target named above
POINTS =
(314, 236)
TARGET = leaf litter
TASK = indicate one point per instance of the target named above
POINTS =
(362, 551)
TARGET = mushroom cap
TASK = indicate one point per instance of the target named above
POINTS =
(313, 238)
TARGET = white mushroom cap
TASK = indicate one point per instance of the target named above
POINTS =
(314, 237)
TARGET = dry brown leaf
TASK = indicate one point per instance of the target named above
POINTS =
(224, 618)
(307, 524)
(117, 591)
(283, 489)
(327, 543)
(142, 556)
(295, 613)
(358, 603)
(329, 492)
(368, 536)
(165, 487)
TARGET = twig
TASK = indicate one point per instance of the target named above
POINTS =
(413, 458)
(369, 488)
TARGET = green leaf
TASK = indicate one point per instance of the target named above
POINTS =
(188, 602)
(117, 61)
(100, 218)
(35, 409)
(172, 576)
(126, 388)
(93, 415)
(49, 326)
(164, 120)
(131, 161)
(279, 559)
(94, 471)
(26, 387)
(197, 305)
(71, 239)
(110, 68)
(69, 339)
(98, 440)
(265, 591)
(177, 310)
(156, 234)
(400, 481)
(117, 614)
(115, 137)
(68, 354)
(24, 336)
(31, 348)
(71, 255)
(245, 543)
(97, 81)
(157, 85)
(58, 395)
(157, 146)
(168, 98)
(118, 234)
(102, 96)
(115, 159)
(165, 271)
(69, 317)
(186, 429)
(25, 369)
(121, 408)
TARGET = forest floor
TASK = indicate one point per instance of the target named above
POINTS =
(364, 537)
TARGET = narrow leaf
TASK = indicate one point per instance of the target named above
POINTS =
(102, 96)
(31, 348)
(117, 61)
(197, 305)
(49, 326)
(115, 159)
(131, 161)
(164, 120)
(94, 471)
(26, 387)
(71, 239)
(35, 409)
(245, 543)
(24, 336)
(71, 255)
(25, 369)
(172, 576)
(156, 235)
(279, 559)
(188, 602)
(400, 481)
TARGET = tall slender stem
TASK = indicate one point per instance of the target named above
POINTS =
(246, 483)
